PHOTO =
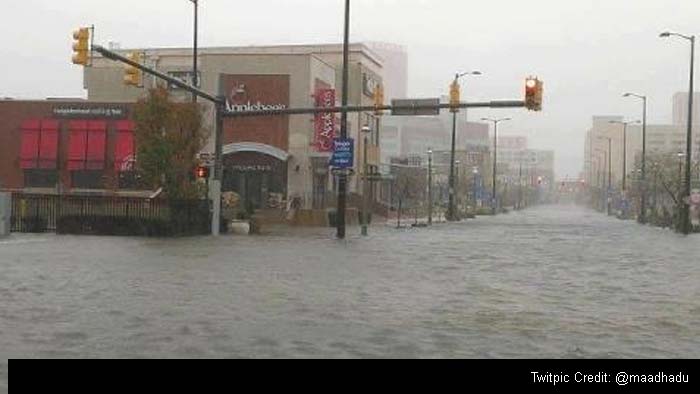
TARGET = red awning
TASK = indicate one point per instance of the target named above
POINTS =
(48, 145)
(29, 152)
(78, 145)
(124, 148)
(96, 143)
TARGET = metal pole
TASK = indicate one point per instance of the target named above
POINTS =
(520, 184)
(365, 216)
(643, 205)
(495, 159)
(689, 143)
(451, 207)
(624, 158)
(218, 169)
(608, 197)
(342, 177)
(430, 188)
(195, 77)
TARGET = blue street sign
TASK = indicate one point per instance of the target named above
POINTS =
(343, 153)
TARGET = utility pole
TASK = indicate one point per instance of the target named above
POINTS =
(195, 77)
(342, 177)
(430, 187)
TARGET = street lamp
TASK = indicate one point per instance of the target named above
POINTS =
(430, 187)
(475, 173)
(365, 215)
(451, 208)
(685, 214)
(194, 54)
(624, 151)
(643, 202)
(495, 157)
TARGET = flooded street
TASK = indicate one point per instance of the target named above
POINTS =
(559, 282)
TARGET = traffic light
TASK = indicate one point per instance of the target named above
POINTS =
(132, 75)
(378, 98)
(454, 96)
(202, 172)
(533, 94)
(80, 46)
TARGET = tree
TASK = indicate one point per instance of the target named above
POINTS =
(168, 137)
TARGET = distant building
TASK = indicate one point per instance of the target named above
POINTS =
(395, 63)
(680, 108)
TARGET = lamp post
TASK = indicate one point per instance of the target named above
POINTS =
(643, 198)
(342, 177)
(430, 187)
(624, 152)
(495, 157)
(451, 207)
(195, 77)
(365, 215)
(475, 173)
(456, 212)
(684, 211)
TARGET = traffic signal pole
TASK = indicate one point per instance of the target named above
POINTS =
(223, 111)
(220, 109)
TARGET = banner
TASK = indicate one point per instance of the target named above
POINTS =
(325, 122)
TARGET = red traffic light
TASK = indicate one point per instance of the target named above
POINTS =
(202, 172)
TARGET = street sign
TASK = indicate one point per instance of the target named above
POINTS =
(411, 107)
(343, 153)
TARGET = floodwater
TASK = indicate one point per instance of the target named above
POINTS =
(549, 282)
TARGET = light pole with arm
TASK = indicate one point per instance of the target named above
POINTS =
(365, 189)
(495, 157)
(685, 214)
(643, 199)
(430, 187)
(195, 77)
(451, 207)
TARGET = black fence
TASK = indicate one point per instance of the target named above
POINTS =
(107, 215)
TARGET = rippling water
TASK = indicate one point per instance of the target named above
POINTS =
(557, 282)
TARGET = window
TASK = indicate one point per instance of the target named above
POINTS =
(39, 153)
(40, 178)
(87, 179)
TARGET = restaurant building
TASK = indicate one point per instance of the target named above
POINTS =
(267, 158)
(67, 146)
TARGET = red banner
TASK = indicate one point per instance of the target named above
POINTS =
(325, 122)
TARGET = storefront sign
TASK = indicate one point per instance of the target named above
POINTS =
(343, 153)
(258, 106)
(89, 112)
(325, 122)
(251, 168)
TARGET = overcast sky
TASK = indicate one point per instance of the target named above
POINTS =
(588, 52)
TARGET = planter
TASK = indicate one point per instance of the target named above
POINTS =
(239, 227)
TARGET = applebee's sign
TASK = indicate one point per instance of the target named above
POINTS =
(325, 122)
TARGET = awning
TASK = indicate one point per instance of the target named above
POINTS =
(87, 145)
(48, 145)
(124, 147)
(96, 144)
(29, 151)
(77, 145)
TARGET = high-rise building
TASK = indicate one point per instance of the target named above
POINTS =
(680, 108)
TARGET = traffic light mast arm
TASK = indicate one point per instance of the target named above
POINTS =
(368, 108)
(119, 58)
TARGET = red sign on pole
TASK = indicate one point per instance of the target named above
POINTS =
(325, 122)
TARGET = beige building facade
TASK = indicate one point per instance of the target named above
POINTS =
(286, 76)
